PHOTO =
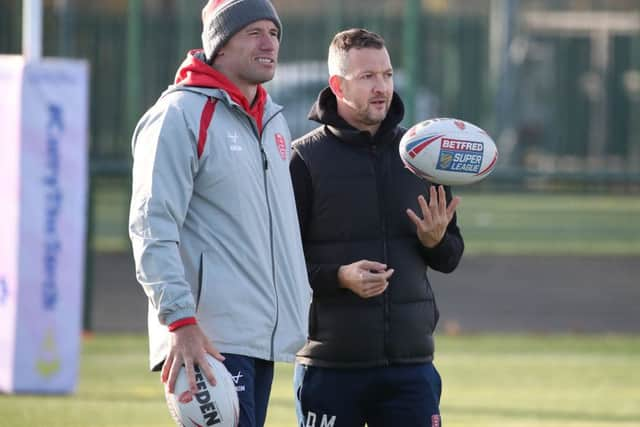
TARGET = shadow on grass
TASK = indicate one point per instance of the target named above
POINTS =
(537, 414)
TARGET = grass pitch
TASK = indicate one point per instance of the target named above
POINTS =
(550, 224)
(491, 223)
(489, 380)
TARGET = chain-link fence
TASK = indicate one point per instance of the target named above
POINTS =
(557, 83)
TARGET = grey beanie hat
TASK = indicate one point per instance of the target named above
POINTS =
(221, 19)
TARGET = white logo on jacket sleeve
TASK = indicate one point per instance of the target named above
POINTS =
(282, 146)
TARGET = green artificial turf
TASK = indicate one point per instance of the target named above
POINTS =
(491, 223)
(489, 380)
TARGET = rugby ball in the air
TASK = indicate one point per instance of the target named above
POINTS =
(448, 151)
(211, 405)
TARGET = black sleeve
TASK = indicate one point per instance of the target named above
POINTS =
(446, 255)
(322, 277)
(302, 189)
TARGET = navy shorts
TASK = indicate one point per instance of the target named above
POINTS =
(253, 378)
(391, 396)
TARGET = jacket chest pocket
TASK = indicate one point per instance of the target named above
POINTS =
(229, 170)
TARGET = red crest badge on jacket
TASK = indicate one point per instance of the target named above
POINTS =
(282, 146)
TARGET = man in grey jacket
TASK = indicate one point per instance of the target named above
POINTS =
(213, 220)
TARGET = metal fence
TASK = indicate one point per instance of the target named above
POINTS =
(557, 83)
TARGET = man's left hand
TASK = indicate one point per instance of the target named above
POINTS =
(436, 216)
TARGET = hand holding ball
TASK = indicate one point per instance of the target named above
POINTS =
(212, 405)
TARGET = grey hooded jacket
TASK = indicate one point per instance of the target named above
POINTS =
(216, 235)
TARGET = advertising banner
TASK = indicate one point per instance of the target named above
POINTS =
(44, 171)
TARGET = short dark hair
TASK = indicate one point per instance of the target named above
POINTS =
(357, 38)
(344, 41)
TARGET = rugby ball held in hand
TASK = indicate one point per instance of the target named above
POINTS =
(448, 151)
(211, 405)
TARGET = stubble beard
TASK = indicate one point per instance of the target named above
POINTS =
(371, 118)
(259, 76)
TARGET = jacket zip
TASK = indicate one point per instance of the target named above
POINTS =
(200, 273)
(265, 168)
(378, 157)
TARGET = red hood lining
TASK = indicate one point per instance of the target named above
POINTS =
(195, 72)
